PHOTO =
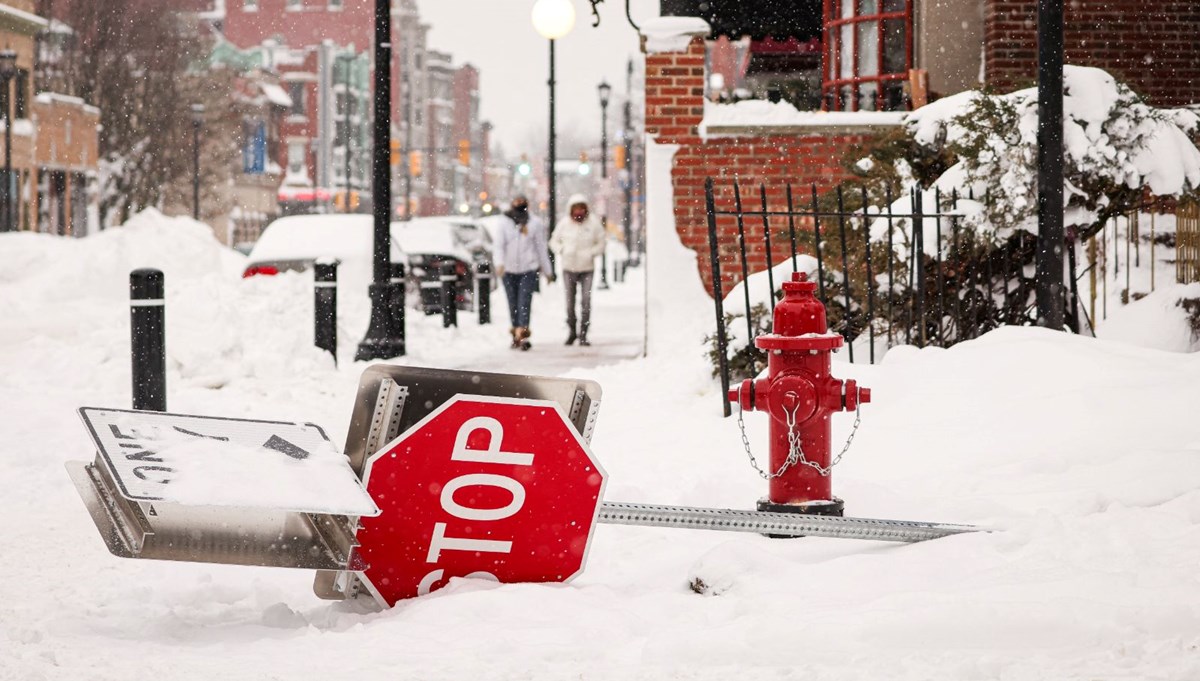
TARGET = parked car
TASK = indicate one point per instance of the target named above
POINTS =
(430, 242)
(291, 244)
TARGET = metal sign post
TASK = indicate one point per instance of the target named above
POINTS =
(475, 474)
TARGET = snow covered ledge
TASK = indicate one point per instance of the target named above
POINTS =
(672, 34)
(760, 117)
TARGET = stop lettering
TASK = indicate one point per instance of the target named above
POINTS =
(491, 487)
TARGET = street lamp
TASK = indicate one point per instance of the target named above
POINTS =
(605, 92)
(553, 19)
(8, 69)
(197, 121)
(385, 335)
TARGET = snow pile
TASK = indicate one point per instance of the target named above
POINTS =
(672, 34)
(1160, 320)
(1081, 455)
(675, 294)
(761, 113)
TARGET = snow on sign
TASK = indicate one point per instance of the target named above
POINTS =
(209, 461)
(492, 487)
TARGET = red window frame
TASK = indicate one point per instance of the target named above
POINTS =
(831, 86)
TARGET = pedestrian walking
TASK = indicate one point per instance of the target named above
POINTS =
(578, 239)
(519, 255)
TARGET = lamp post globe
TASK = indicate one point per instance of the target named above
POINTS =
(553, 19)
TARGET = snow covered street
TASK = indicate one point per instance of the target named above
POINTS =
(1082, 455)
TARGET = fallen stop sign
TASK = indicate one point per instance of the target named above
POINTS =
(491, 487)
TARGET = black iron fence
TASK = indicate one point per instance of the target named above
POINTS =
(891, 268)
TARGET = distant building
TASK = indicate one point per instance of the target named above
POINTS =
(307, 39)
(251, 200)
(54, 152)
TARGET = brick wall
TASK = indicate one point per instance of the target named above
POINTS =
(674, 109)
(1153, 46)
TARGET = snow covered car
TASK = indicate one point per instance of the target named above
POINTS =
(430, 242)
(291, 244)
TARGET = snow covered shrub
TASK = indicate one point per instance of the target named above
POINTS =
(1192, 307)
(745, 360)
(1116, 147)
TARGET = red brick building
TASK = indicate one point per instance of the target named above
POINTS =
(873, 53)
(1152, 46)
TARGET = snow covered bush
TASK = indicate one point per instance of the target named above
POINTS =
(1116, 148)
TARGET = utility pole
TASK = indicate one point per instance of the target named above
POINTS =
(1050, 165)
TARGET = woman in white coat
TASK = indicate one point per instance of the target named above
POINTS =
(578, 239)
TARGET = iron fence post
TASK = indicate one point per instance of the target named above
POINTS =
(718, 302)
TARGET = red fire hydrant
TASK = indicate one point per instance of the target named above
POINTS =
(800, 394)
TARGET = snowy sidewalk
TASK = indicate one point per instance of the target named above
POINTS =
(618, 325)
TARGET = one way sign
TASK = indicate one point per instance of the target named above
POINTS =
(179, 458)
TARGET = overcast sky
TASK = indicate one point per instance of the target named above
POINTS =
(498, 38)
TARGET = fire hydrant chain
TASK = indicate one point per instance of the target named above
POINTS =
(795, 452)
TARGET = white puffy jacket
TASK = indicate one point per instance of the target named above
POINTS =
(578, 244)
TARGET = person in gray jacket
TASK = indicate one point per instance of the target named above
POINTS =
(578, 239)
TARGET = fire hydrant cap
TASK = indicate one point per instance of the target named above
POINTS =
(799, 284)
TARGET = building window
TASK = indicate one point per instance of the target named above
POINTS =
(297, 159)
(868, 52)
(254, 151)
(296, 91)
(250, 5)
(22, 93)
(295, 4)
(335, 4)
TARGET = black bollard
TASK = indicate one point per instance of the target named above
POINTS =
(325, 306)
(449, 284)
(148, 340)
(396, 300)
(483, 292)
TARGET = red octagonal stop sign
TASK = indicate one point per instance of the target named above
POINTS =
(489, 487)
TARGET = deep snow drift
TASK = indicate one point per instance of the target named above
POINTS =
(1083, 455)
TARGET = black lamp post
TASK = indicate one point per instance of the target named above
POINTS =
(197, 121)
(385, 336)
(1049, 263)
(8, 69)
(605, 92)
(553, 19)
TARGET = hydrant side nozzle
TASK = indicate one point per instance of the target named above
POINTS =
(743, 395)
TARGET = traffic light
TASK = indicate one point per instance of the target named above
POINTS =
(395, 152)
(464, 152)
(619, 158)
(584, 166)
(524, 169)
(414, 163)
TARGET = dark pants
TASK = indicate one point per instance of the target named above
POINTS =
(584, 281)
(519, 289)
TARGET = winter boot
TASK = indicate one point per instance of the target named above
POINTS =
(516, 343)
(583, 341)
(522, 338)
(571, 335)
